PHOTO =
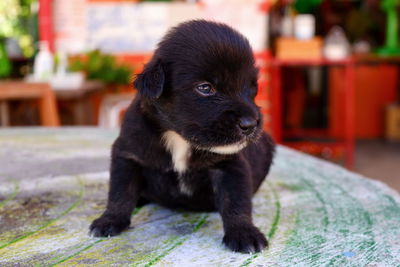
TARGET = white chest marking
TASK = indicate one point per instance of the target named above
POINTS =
(179, 148)
(228, 149)
(180, 152)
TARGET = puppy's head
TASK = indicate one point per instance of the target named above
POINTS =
(201, 83)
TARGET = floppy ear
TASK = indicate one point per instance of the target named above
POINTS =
(150, 82)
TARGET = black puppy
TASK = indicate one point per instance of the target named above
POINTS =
(193, 138)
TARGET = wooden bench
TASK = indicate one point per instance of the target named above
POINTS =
(19, 90)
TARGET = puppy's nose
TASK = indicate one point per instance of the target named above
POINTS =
(247, 124)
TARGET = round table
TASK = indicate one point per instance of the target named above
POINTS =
(54, 183)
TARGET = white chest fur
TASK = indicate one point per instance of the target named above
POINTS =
(180, 150)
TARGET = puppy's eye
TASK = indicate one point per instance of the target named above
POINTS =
(205, 89)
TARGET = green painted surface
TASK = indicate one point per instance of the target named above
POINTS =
(53, 183)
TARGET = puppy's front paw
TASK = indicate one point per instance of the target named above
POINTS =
(245, 239)
(108, 225)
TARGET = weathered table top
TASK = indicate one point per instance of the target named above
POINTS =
(54, 182)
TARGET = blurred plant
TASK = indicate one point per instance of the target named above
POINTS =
(5, 65)
(306, 6)
(17, 20)
(103, 67)
(392, 45)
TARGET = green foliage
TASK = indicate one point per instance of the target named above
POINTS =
(306, 6)
(103, 67)
(17, 20)
(388, 5)
(5, 65)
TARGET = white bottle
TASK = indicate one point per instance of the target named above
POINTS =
(304, 27)
(336, 45)
(43, 64)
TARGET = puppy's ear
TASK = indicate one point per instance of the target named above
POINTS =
(150, 82)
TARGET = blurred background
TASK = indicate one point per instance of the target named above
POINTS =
(329, 69)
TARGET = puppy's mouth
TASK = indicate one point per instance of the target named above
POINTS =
(228, 149)
(223, 140)
(233, 148)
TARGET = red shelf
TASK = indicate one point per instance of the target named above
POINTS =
(311, 62)
(343, 147)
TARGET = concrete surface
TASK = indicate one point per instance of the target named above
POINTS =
(54, 182)
(379, 160)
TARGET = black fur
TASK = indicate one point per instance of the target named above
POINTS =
(142, 168)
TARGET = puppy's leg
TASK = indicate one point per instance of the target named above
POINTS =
(233, 188)
(125, 185)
